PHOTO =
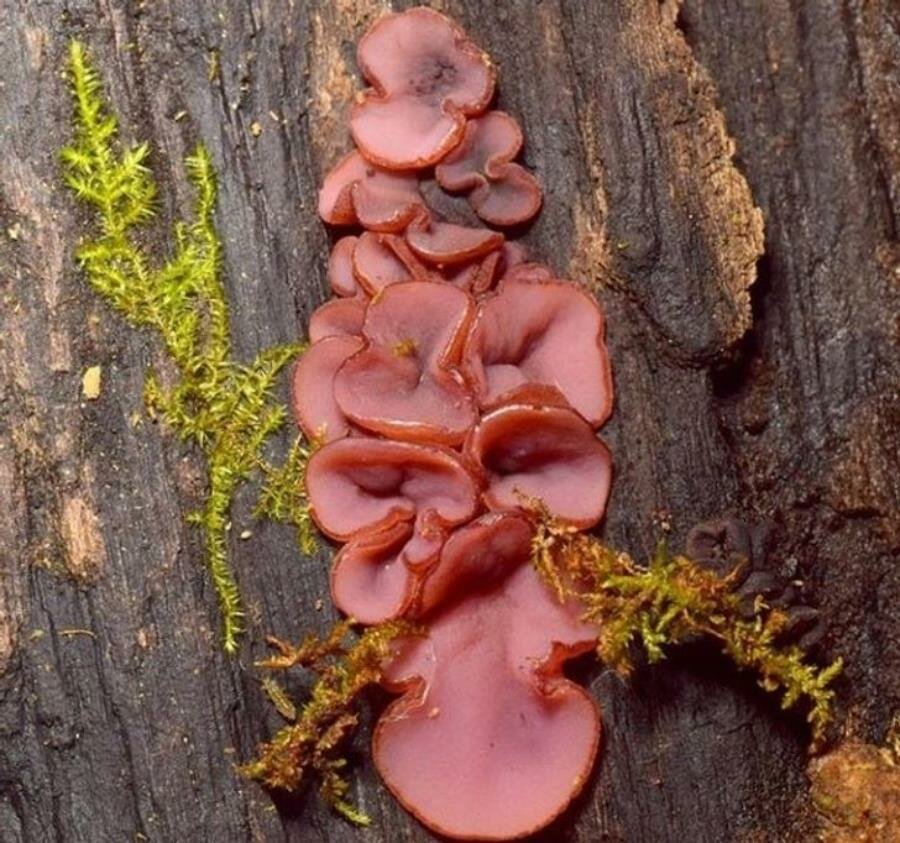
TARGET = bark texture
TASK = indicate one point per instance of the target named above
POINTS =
(751, 300)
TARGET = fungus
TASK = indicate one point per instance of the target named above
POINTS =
(489, 740)
(312, 388)
(369, 581)
(340, 268)
(358, 191)
(548, 453)
(361, 485)
(376, 577)
(336, 318)
(500, 192)
(380, 260)
(404, 383)
(546, 332)
(445, 243)
(427, 77)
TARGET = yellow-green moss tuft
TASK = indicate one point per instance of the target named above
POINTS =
(311, 744)
(668, 601)
(283, 496)
(223, 406)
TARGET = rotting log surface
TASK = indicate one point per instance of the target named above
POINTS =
(759, 383)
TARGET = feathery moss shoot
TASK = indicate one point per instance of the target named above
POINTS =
(283, 496)
(310, 745)
(669, 601)
(222, 406)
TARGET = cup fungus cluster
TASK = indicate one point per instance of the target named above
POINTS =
(449, 380)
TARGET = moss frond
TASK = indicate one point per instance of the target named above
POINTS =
(283, 497)
(668, 601)
(310, 746)
(222, 406)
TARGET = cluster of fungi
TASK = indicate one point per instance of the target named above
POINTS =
(449, 382)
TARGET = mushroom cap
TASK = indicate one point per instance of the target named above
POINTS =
(549, 453)
(358, 191)
(403, 383)
(502, 193)
(544, 332)
(312, 387)
(377, 576)
(361, 485)
(444, 243)
(337, 318)
(369, 581)
(489, 741)
(340, 268)
(380, 260)
(426, 77)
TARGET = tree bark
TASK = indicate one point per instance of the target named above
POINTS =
(756, 376)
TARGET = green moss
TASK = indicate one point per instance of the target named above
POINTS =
(224, 407)
(284, 498)
(311, 744)
(669, 601)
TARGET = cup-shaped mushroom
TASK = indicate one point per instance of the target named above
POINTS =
(360, 485)
(337, 318)
(546, 332)
(312, 387)
(445, 243)
(340, 268)
(356, 191)
(404, 383)
(369, 581)
(489, 740)
(500, 192)
(426, 78)
(377, 576)
(546, 453)
(380, 260)
(475, 556)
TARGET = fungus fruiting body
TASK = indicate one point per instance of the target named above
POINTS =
(451, 382)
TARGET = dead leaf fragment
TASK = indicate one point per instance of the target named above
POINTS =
(90, 383)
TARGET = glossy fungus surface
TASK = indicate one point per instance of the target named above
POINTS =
(427, 77)
(452, 380)
(489, 741)
(500, 191)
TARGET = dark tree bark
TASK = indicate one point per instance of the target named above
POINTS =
(752, 378)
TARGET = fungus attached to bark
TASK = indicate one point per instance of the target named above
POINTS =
(340, 268)
(361, 485)
(358, 191)
(489, 740)
(545, 333)
(337, 318)
(500, 191)
(369, 581)
(312, 388)
(404, 383)
(380, 260)
(548, 453)
(445, 243)
(427, 77)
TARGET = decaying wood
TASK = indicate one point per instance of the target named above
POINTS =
(755, 373)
